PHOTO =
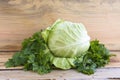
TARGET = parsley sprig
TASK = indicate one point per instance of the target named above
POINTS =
(97, 56)
(33, 55)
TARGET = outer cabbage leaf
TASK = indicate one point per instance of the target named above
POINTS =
(65, 63)
(61, 63)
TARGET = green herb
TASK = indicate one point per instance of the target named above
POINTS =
(97, 56)
(34, 55)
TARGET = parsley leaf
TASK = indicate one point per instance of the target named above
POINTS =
(97, 56)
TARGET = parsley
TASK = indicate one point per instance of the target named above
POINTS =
(97, 56)
(33, 55)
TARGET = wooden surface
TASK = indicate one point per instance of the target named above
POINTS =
(19, 19)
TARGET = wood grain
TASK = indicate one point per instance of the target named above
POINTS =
(19, 19)
(101, 74)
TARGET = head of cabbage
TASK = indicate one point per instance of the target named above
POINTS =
(66, 41)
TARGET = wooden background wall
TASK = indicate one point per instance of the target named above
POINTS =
(19, 19)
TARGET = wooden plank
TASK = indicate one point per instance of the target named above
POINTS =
(19, 19)
(4, 56)
(101, 74)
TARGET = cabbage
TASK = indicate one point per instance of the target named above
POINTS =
(66, 40)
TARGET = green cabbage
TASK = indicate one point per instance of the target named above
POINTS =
(66, 41)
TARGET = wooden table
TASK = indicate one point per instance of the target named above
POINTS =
(19, 19)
